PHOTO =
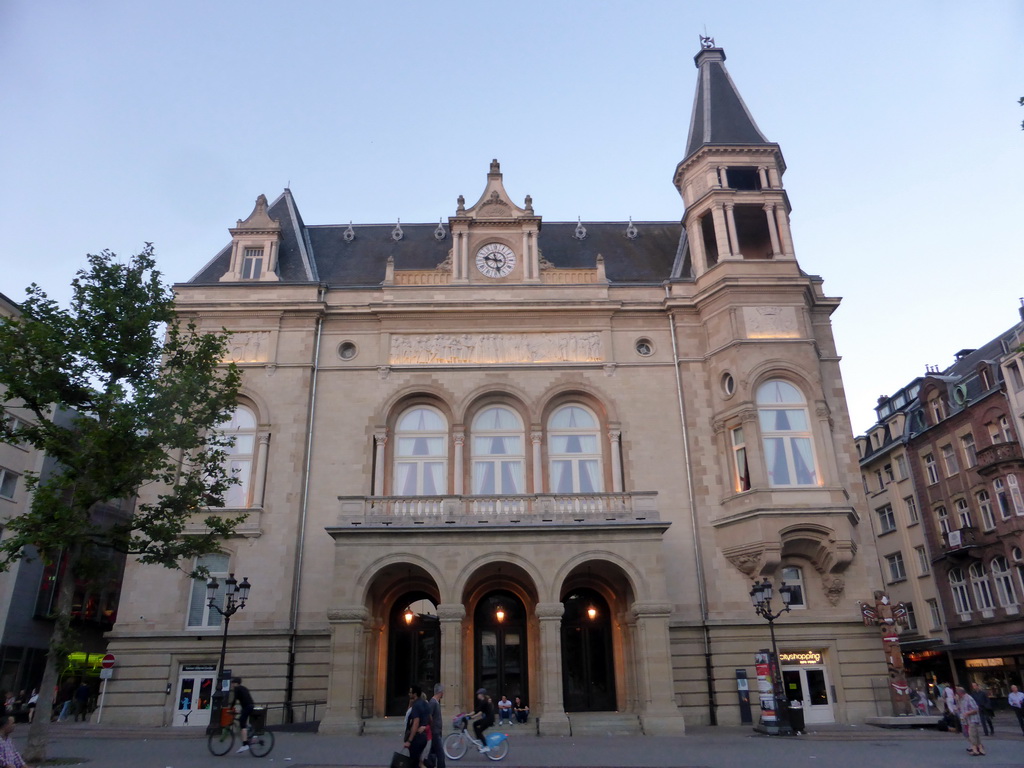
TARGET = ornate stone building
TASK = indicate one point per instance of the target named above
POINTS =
(544, 458)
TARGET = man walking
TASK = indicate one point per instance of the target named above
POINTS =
(436, 746)
(1016, 702)
(980, 695)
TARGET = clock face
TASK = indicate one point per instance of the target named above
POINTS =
(495, 260)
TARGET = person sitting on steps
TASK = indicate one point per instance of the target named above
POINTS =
(504, 709)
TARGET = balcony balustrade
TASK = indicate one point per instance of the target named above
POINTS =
(958, 542)
(538, 509)
(992, 457)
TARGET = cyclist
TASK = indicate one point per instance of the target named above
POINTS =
(483, 718)
(242, 698)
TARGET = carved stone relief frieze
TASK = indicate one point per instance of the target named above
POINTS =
(449, 348)
(248, 347)
(770, 322)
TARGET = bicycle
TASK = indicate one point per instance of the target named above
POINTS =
(457, 743)
(222, 738)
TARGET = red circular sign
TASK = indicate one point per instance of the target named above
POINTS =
(108, 661)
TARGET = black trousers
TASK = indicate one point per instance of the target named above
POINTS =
(419, 741)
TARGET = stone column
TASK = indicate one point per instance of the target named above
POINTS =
(380, 439)
(762, 174)
(451, 617)
(773, 230)
(730, 223)
(538, 468)
(698, 259)
(260, 483)
(721, 233)
(550, 708)
(653, 657)
(460, 442)
(614, 440)
(347, 679)
(785, 236)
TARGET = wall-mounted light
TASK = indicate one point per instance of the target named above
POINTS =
(500, 614)
(592, 613)
(409, 615)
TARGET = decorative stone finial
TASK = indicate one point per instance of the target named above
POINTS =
(495, 166)
(462, 205)
(529, 204)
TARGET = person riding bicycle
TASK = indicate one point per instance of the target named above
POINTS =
(242, 697)
(483, 718)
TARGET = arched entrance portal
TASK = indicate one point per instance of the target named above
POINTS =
(588, 668)
(414, 649)
(500, 646)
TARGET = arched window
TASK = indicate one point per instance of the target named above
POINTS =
(982, 587)
(240, 456)
(942, 515)
(421, 453)
(786, 435)
(961, 597)
(1004, 584)
(794, 579)
(574, 451)
(499, 457)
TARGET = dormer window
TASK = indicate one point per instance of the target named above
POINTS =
(252, 264)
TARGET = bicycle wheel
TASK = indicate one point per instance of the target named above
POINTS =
(221, 742)
(261, 743)
(454, 746)
(499, 751)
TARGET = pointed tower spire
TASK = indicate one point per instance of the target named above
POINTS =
(719, 114)
(730, 178)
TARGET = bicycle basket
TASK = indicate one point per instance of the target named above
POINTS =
(227, 716)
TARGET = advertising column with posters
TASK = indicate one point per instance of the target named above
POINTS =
(764, 662)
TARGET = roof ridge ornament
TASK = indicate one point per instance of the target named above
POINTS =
(440, 233)
(397, 233)
(707, 42)
(631, 231)
(581, 231)
(349, 234)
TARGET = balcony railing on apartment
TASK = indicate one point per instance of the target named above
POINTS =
(959, 541)
(537, 509)
(991, 457)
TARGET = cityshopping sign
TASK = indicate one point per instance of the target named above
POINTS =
(800, 657)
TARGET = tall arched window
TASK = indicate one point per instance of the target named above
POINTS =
(786, 435)
(421, 453)
(574, 451)
(1004, 584)
(961, 597)
(499, 457)
(982, 587)
(240, 456)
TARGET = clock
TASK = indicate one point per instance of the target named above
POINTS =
(495, 260)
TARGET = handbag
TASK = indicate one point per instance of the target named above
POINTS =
(401, 760)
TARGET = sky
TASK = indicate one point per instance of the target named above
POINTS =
(127, 122)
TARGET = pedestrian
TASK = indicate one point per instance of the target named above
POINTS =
(81, 703)
(1016, 702)
(9, 757)
(436, 722)
(980, 695)
(33, 700)
(971, 718)
(416, 724)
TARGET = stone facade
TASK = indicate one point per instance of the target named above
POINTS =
(544, 458)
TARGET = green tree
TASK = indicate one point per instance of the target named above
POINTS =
(141, 396)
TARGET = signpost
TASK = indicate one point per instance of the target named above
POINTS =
(106, 673)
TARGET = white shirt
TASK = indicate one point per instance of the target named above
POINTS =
(1015, 699)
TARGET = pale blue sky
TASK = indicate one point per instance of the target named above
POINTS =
(123, 122)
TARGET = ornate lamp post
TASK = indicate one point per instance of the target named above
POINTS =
(235, 595)
(761, 597)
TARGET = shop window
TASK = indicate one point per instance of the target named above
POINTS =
(786, 435)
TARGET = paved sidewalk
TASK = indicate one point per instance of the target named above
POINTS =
(702, 747)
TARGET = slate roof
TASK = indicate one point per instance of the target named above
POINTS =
(320, 253)
(719, 115)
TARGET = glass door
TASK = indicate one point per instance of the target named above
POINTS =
(195, 690)
(809, 686)
(500, 629)
(588, 668)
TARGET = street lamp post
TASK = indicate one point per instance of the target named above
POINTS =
(235, 595)
(761, 597)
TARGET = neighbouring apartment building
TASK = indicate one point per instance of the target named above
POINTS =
(544, 458)
(28, 590)
(943, 470)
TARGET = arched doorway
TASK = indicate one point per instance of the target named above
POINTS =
(588, 661)
(500, 645)
(414, 649)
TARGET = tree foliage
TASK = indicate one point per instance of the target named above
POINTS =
(121, 396)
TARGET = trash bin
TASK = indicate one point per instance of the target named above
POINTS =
(796, 716)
